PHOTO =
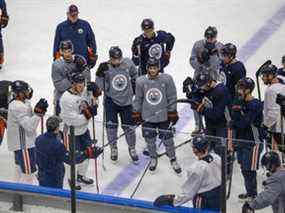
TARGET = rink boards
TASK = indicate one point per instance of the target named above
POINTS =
(86, 202)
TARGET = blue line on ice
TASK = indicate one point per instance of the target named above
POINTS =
(130, 172)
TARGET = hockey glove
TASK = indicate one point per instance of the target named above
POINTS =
(246, 208)
(197, 106)
(4, 20)
(56, 56)
(137, 42)
(103, 67)
(80, 63)
(187, 86)
(92, 58)
(93, 152)
(207, 103)
(93, 87)
(87, 112)
(173, 117)
(167, 56)
(164, 200)
(137, 117)
(41, 107)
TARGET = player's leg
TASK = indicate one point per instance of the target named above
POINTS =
(127, 126)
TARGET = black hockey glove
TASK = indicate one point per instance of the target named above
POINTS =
(173, 117)
(41, 106)
(246, 208)
(137, 42)
(93, 87)
(80, 63)
(164, 200)
(187, 85)
(93, 152)
(101, 69)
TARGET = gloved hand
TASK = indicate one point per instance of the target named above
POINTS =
(86, 110)
(101, 69)
(164, 200)
(93, 152)
(56, 56)
(137, 42)
(197, 106)
(3, 126)
(237, 105)
(187, 85)
(137, 117)
(4, 20)
(93, 87)
(204, 56)
(41, 107)
(246, 208)
(92, 58)
(173, 117)
(80, 63)
(207, 103)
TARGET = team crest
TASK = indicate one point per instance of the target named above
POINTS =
(222, 78)
(153, 96)
(119, 82)
(80, 30)
(155, 51)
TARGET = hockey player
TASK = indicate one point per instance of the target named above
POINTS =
(205, 52)
(76, 112)
(156, 92)
(51, 155)
(4, 18)
(231, 70)
(116, 78)
(22, 130)
(155, 44)
(81, 35)
(4, 101)
(274, 187)
(203, 180)
(212, 106)
(271, 112)
(62, 69)
(246, 122)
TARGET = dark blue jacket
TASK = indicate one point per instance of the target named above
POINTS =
(162, 39)
(233, 72)
(281, 72)
(50, 158)
(81, 35)
(251, 114)
(220, 97)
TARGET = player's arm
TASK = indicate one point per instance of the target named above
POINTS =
(61, 83)
(218, 109)
(171, 95)
(138, 101)
(57, 39)
(91, 41)
(272, 110)
(136, 50)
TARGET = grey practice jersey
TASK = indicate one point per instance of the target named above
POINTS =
(21, 125)
(271, 110)
(61, 69)
(201, 177)
(117, 83)
(214, 61)
(71, 111)
(273, 194)
(155, 97)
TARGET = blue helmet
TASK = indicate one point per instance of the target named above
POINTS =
(269, 69)
(270, 159)
(200, 143)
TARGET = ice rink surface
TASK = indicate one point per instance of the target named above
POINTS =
(28, 44)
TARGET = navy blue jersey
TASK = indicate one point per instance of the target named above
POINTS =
(215, 116)
(81, 35)
(3, 6)
(251, 114)
(152, 47)
(50, 158)
(281, 72)
(233, 73)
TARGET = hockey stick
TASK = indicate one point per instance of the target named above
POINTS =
(257, 74)
(148, 165)
(42, 124)
(282, 136)
(147, 120)
(95, 142)
(103, 128)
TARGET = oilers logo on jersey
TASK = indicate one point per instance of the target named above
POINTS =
(119, 82)
(155, 51)
(153, 96)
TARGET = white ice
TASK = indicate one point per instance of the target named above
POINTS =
(28, 51)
